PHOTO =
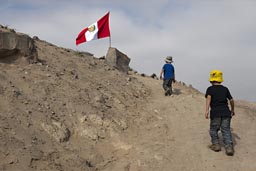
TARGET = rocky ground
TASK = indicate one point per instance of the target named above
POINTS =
(71, 111)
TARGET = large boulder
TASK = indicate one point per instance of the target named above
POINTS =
(117, 59)
(16, 47)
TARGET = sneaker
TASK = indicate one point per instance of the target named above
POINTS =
(215, 147)
(230, 150)
(167, 93)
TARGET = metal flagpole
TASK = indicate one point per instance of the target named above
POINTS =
(109, 41)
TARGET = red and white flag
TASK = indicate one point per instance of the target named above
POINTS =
(97, 30)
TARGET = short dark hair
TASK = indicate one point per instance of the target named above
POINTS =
(214, 82)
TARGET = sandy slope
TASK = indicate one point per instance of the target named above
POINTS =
(71, 111)
(175, 135)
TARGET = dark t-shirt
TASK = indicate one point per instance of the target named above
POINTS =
(219, 101)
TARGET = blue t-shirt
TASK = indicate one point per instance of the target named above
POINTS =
(168, 71)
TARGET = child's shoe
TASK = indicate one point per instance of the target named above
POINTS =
(215, 147)
(167, 93)
(229, 150)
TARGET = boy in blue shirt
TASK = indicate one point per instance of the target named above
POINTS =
(169, 75)
(217, 97)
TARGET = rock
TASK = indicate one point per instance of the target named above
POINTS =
(36, 154)
(117, 59)
(99, 99)
(154, 76)
(102, 58)
(95, 119)
(36, 38)
(14, 46)
(89, 132)
(58, 131)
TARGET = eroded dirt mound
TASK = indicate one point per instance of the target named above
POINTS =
(57, 113)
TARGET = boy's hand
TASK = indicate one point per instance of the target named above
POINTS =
(232, 113)
(207, 115)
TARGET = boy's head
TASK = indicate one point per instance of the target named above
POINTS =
(216, 76)
(168, 59)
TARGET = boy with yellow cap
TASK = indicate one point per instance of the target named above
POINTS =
(217, 97)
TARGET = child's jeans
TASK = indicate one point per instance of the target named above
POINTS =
(167, 84)
(222, 124)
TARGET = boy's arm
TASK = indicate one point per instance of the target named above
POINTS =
(161, 74)
(232, 104)
(174, 79)
(208, 101)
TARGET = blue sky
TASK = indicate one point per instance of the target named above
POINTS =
(201, 35)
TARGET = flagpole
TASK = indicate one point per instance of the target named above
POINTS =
(109, 41)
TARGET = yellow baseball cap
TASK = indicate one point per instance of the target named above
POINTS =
(216, 75)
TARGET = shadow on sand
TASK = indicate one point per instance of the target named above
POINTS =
(176, 91)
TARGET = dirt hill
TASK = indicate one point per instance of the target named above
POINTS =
(71, 111)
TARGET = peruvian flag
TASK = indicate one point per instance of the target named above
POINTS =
(97, 30)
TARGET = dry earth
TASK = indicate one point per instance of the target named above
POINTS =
(180, 142)
(72, 112)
